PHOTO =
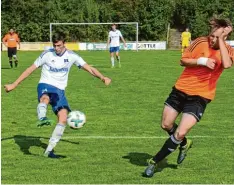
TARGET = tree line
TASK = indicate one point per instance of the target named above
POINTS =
(31, 18)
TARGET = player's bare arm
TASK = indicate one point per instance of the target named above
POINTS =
(23, 76)
(108, 42)
(93, 71)
(19, 43)
(202, 61)
(125, 45)
(4, 42)
(226, 60)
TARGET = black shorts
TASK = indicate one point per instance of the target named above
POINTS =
(12, 51)
(185, 103)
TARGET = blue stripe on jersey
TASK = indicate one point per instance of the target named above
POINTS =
(72, 52)
(49, 50)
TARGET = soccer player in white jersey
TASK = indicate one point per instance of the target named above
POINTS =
(113, 39)
(56, 64)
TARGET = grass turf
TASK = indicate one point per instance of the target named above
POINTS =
(126, 114)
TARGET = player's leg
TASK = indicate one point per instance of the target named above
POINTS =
(194, 108)
(117, 56)
(168, 119)
(57, 133)
(15, 56)
(41, 111)
(44, 91)
(9, 51)
(112, 57)
(182, 48)
(61, 108)
(173, 106)
(187, 122)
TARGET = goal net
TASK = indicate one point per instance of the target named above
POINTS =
(93, 36)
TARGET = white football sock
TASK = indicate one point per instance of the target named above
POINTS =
(56, 136)
(112, 61)
(41, 110)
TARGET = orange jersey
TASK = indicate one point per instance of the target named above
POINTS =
(200, 80)
(11, 40)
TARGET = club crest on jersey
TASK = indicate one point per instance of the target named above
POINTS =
(66, 60)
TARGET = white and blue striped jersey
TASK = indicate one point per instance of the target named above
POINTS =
(55, 68)
(114, 38)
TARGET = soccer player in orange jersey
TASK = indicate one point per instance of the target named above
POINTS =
(204, 61)
(10, 40)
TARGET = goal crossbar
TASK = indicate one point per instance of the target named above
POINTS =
(134, 23)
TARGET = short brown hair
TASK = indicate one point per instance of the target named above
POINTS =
(58, 37)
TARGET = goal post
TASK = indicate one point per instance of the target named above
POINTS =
(109, 23)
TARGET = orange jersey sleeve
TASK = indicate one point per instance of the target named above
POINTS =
(200, 80)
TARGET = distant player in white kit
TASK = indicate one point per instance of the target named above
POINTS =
(113, 39)
(56, 64)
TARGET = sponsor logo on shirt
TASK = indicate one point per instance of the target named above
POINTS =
(65, 69)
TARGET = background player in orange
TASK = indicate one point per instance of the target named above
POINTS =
(185, 39)
(10, 40)
(204, 62)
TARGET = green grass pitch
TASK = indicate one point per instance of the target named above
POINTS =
(122, 129)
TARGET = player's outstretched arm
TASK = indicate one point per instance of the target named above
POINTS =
(93, 71)
(24, 75)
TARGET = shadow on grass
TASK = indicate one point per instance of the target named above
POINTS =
(25, 142)
(5, 67)
(140, 159)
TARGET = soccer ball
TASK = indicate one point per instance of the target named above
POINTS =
(76, 119)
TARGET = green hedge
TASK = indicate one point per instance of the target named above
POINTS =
(31, 18)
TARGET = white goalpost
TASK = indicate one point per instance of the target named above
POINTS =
(126, 23)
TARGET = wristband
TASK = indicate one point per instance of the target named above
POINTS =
(202, 61)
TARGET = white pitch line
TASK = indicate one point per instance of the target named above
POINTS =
(140, 137)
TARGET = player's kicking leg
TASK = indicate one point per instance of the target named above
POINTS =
(57, 133)
(41, 111)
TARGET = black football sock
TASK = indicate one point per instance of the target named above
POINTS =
(169, 146)
(173, 129)
(184, 142)
(16, 63)
(10, 62)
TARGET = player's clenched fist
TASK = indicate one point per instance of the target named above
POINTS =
(210, 63)
(9, 87)
(106, 80)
